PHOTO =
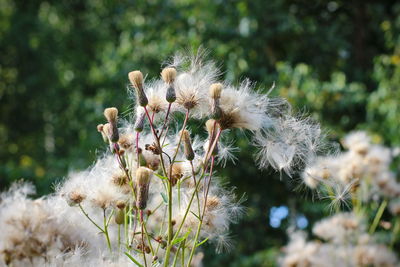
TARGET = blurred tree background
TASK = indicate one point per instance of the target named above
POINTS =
(63, 62)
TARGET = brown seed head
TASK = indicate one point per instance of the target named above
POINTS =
(212, 203)
(76, 197)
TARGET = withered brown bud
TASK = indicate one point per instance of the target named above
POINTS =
(136, 79)
(187, 145)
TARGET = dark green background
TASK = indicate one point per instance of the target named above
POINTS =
(63, 62)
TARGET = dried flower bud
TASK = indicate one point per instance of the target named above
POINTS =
(136, 79)
(187, 145)
(142, 181)
(100, 129)
(111, 114)
(119, 216)
(216, 111)
(168, 75)
(147, 249)
(215, 90)
(139, 123)
(212, 128)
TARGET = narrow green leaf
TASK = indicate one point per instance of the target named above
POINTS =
(132, 259)
(160, 176)
(180, 239)
(165, 198)
(202, 242)
(195, 215)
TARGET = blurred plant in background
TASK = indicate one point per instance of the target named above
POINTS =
(339, 60)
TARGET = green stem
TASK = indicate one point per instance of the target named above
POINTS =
(106, 230)
(170, 233)
(202, 215)
(90, 219)
(378, 216)
(396, 230)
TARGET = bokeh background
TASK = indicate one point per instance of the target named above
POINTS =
(63, 62)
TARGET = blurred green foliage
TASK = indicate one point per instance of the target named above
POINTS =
(62, 62)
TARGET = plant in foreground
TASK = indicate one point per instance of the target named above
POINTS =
(154, 197)
(358, 180)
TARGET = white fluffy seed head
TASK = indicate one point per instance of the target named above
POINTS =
(168, 75)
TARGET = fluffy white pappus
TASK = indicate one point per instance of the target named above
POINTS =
(341, 227)
(244, 108)
(290, 142)
(358, 142)
(367, 173)
(95, 184)
(226, 152)
(299, 252)
(345, 243)
(158, 105)
(32, 233)
(195, 76)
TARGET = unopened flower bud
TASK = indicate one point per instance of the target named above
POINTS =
(119, 216)
(212, 128)
(215, 90)
(100, 129)
(139, 123)
(111, 115)
(142, 181)
(187, 145)
(136, 79)
(169, 75)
